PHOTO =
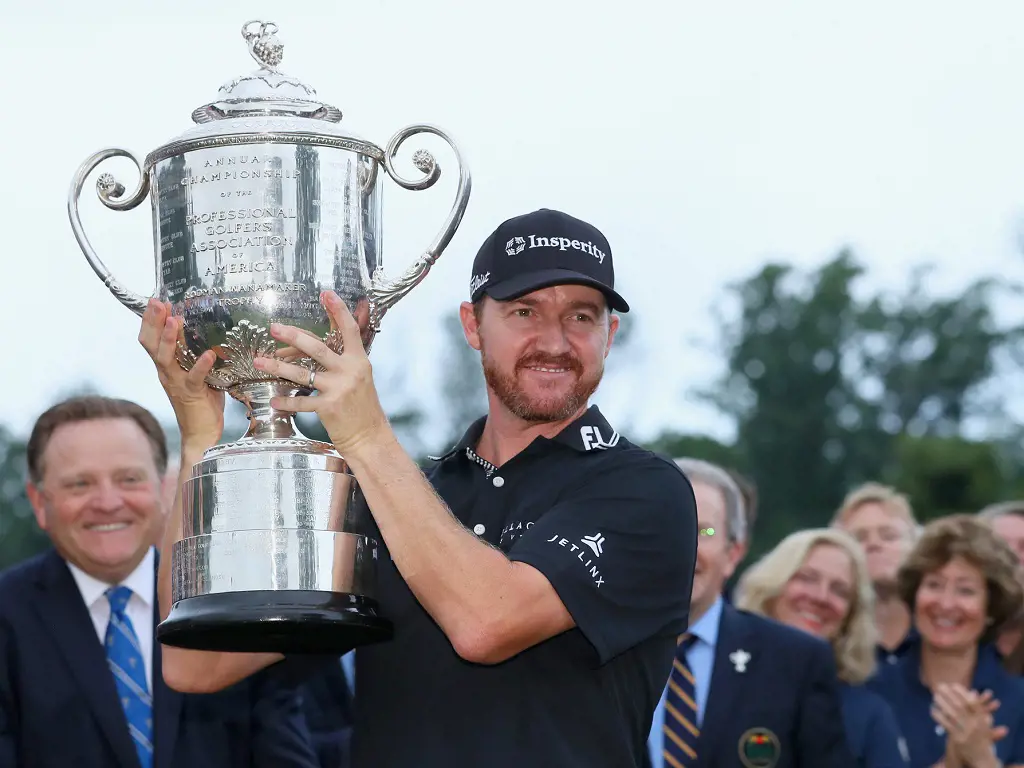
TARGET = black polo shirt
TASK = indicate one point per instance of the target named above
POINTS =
(613, 528)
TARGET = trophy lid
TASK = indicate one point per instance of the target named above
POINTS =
(265, 106)
(267, 91)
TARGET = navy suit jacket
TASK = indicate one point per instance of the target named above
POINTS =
(59, 706)
(329, 713)
(789, 687)
(871, 729)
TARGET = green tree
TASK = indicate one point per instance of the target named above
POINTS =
(925, 358)
(786, 391)
(677, 445)
(20, 537)
(948, 475)
(463, 390)
(826, 390)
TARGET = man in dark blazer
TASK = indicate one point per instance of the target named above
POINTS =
(329, 713)
(745, 690)
(95, 466)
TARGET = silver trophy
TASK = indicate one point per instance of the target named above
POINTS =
(262, 205)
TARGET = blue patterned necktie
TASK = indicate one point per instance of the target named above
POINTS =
(680, 730)
(124, 657)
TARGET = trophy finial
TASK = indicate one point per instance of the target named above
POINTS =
(263, 43)
(267, 91)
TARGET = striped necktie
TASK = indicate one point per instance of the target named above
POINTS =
(124, 657)
(680, 729)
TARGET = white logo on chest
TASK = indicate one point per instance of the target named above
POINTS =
(739, 659)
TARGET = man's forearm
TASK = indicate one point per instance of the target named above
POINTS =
(187, 670)
(190, 455)
(465, 584)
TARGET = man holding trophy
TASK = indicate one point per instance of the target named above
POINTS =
(520, 603)
(538, 577)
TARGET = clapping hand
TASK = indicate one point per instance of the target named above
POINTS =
(966, 717)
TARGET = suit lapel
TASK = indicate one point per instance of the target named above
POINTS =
(725, 690)
(166, 701)
(65, 617)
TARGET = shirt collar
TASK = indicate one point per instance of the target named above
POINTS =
(590, 432)
(904, 646)
(989, 672)
(706, 627)
(141, 582)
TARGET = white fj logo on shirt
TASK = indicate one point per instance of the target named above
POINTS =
(594, 440)
(595, 542)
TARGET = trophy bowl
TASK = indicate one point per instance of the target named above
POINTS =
(261, 206)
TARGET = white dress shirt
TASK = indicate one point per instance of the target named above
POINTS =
(348, 663)
(141, 582)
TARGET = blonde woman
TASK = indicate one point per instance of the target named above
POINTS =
(817, 581)
(961, 583)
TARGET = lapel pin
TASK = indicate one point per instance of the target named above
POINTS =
(759, 748)
(739, 659)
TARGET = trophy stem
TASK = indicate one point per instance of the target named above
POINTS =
(265, 422)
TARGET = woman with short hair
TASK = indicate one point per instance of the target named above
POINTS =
(962, 585)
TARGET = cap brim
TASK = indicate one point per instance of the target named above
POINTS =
(520, 285)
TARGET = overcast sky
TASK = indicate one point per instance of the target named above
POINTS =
(701, 138)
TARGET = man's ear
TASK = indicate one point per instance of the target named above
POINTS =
(470, 324)
(613, 326)
(737, 551)
(35, 498)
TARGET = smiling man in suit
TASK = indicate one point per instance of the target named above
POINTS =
(744, 690)
(80, 670)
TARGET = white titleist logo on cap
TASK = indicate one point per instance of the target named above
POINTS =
(478, 281)
(519, 244)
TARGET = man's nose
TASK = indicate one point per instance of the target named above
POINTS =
(552, 339)
(107, 497)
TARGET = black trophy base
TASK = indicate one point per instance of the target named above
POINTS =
(268, 621)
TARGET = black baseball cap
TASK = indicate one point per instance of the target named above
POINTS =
(541, 249)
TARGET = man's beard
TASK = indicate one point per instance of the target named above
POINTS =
(555, 407)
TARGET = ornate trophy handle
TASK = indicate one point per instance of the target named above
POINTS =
(385, 293)
(110, 192)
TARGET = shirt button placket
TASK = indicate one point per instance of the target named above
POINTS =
(480, 529)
